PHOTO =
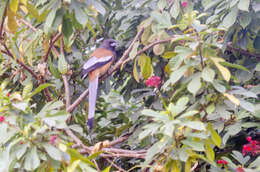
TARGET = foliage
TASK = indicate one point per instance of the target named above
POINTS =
(186, 97)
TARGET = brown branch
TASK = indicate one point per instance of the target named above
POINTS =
(116, 66)
(148, 47)
(77, 141)
(28, 24)
(18, 61)
(52, 42)
(113, 164)
(3, 18)
(67, 90)
(241, 51)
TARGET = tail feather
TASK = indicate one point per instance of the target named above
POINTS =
(93, 88)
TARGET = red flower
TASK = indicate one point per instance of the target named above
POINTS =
(21, 142)
(249, 139)
(153, 81)
(53, 138)
(8, 94)
(251, 148)
(2, 118)
(184, 4)
(239, 169)
(222, 162)
(246, 148)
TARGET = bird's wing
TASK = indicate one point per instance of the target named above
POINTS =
(94, 63)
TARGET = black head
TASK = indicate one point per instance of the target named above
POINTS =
(109, 44)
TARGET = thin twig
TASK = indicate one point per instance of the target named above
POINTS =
(3, 18)
(116, 166)
(241, 51)
(149, 46)
(19, 61)
(116, 66)
(52, 42)
(67, 90)
(28, 24)
(98, 169)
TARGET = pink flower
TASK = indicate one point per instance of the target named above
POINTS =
(251, 148)
(239, 169)
(53, 138)
(249, 139)
(2, 118)
(222, 162)
(8, 94)
(153, 81)
(184, 4)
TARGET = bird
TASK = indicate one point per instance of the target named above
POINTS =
(98, 64)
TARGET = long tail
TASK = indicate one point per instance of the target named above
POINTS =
(93, 88)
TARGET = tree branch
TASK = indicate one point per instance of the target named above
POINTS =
(7, 52)
(241, 51)
(28, 24)
(67, 90)
(52, 42)
(116, 66)
(3, 18)
(113, 164)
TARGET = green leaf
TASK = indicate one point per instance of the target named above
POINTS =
(162, 4)
(169, 54)
(133, 52)
(176, 75)
(189, 113)
(38, 89)
(175, 9)
(243, 5)
(245, 20)
(135, 72)
(53, 69)
(198, 146)
(220, 88)
(145, 65)
(255, 163)
(208, 74)
(197, 125)
(62, 64)
(76, 155)
(49, 20)
(163, 19)
(14, 5)
(158, 49)
(230, 18)
(214, 135)
(67, 27)
(236, 66)
(32, 160)
(27, 89)
(53, 152)
(209, 152)
(73, 166)
(81, 16)
(194, 85)
(107, 169)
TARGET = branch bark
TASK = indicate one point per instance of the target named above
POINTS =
(7, 52)
(52, 42)
(3, 18)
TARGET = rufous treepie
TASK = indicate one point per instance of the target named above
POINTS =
(97, 65)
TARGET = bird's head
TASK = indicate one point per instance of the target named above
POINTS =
(109, 44)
